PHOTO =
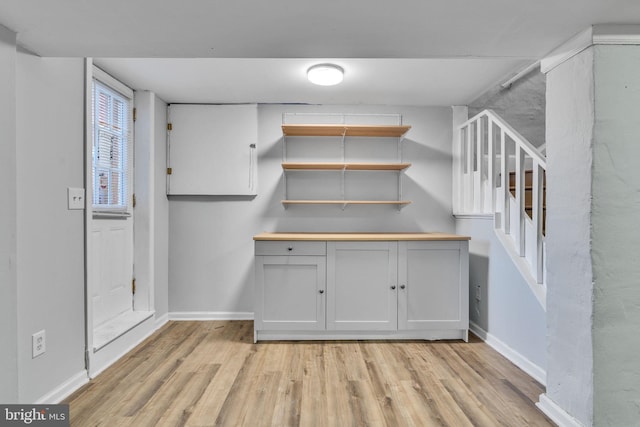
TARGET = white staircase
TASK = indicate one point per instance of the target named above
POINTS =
(498, 172)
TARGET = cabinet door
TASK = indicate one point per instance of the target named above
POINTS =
(212, 149)
(433, 285)
(290, 293)
(361, 285)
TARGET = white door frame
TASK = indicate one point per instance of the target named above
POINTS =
(98, 360)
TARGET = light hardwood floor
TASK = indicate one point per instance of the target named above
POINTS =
(211, 373)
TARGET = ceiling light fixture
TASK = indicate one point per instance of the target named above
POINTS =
(325, 74)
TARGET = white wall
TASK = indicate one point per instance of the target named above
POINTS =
(144, 190)
(615, 236)
(570, 112)
(50, 141)
(506, 310)
(152, 206)
(8, 220)
(211, 246)
(161, 209)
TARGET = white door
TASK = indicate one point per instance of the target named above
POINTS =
(111, 242)
(362, 286)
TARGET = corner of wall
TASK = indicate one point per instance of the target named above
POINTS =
(8, 220)
(556, 413)
(570, 124)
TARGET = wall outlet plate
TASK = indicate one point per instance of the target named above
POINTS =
(75, 198)
(38, 343)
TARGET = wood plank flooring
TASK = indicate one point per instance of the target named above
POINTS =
(211, 374)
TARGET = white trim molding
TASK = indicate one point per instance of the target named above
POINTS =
(606, 34)
(65, 389)
(533, 370)
(74, 383)
(611, 34)
(211, 315)
(487, 216)
(161, 320)
(538, 289)
(556, 413)
(103, 358)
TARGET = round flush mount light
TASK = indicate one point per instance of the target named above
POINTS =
(325, 74)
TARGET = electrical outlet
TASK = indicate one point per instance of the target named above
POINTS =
(39, 343)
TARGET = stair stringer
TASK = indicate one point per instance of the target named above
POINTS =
(539, 290)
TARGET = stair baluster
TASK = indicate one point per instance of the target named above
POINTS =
(503, 174)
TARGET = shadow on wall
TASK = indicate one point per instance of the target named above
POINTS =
(478, 290)
(416, 150)
(274, 150)
(522, 105)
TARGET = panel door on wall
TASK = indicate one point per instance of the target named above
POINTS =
(212, 149)
(433, 285)
(112, 252)
(290, 293)
(361, 285)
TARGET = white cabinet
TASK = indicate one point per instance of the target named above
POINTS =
(290, 286)
(212, 149)
(362, 288)
(433, 285)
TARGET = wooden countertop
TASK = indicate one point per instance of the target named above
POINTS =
(360, 237)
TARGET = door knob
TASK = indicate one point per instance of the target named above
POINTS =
(393, 287)
(402, 286)
(321, 291)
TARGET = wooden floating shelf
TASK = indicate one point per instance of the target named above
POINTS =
(344, 130)
(347, 202)
(345, 166)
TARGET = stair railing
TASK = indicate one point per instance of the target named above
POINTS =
(489, 155)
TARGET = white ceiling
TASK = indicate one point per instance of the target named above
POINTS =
(366, 81)
(417, 52)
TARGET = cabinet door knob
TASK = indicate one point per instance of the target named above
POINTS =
(321, 291)
(290, 248)
(393, 287)
(402, 286)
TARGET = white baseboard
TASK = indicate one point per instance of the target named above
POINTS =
(478, 331)
(516, 358)
(112, 330)
(556, 413)
(210, 315)
(107, 356)
(74, 383)
(160, 321)
(65, 389)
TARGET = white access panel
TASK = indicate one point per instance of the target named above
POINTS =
(212, 149)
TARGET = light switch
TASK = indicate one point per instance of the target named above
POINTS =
(75, 198)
